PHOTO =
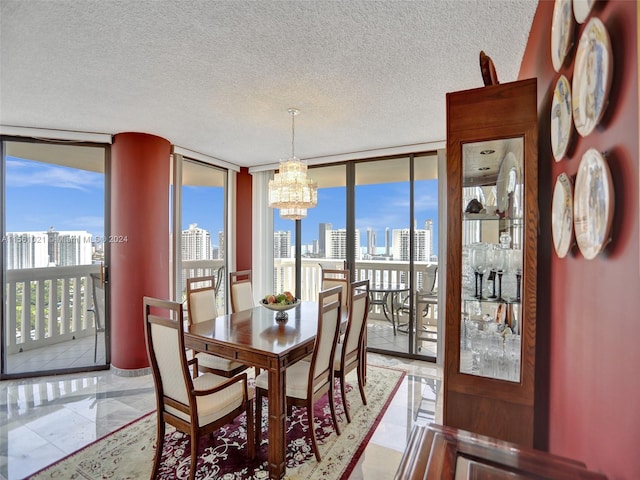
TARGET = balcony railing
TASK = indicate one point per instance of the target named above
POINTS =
(47, 306)
(57, 298)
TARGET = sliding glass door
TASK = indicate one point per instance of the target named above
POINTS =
(202, 226)
(54, 249)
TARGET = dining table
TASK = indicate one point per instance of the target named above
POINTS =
(254, 337)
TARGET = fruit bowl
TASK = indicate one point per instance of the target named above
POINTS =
(281, 308)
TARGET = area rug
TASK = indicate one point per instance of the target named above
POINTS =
(128, 452)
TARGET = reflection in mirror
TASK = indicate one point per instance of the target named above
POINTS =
(492, 236)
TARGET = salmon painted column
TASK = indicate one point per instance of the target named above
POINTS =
(140, 176)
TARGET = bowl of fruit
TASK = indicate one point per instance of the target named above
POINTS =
(280, 303)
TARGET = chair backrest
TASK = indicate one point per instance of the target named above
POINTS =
(164, 334)
(429, 278)
(241, 290)
(341, 278)
(324, 349)
(358, 311)
(201, 298)
(219, 279)
(97, 290)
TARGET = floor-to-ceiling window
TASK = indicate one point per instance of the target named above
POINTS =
(202, 225)
(386, 210)
(54, 237)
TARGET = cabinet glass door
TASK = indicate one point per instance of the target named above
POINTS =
(492, 240)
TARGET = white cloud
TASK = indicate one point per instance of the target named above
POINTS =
(27, 174)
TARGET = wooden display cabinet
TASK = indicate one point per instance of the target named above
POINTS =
(492, 211)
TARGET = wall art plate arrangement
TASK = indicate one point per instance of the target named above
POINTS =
(582, 9)
(592, 76)
(593, 204)
(562, 215)
(561, 32)
(561, 118)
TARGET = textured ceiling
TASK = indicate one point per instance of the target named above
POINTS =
(217, 77)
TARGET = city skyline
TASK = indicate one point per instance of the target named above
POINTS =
(40, 196)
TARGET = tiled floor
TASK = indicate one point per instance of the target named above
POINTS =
(44, 419)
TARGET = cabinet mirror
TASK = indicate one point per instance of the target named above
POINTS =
(492, 240)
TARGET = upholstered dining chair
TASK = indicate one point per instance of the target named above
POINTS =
(334, 277)
(307, 382)
(98, 309)
(241, 290)
(195, 406)
(350, 353)
(201, 305)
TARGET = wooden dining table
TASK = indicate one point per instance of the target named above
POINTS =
(253, 337)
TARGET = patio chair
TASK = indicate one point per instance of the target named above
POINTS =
(98, 309)
(350, 354)
(201, 305)
(307, 382)
(241, 290)
(195, 406)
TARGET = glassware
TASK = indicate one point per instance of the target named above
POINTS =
(479, 263)
(515, 265)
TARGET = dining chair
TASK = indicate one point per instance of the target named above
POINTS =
(428, 289)
(337, 277)
(201, 305)
(307, 382)
(195, 406)
(98, 309)
(241, 290)
(350, 353)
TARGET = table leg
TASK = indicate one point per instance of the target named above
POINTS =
(277, 422)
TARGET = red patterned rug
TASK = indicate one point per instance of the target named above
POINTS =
(128, 452)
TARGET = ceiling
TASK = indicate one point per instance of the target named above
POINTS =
(217, 77)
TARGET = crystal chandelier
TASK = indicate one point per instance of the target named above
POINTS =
(291, 190)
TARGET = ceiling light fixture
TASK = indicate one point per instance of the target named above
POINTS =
(291, 190)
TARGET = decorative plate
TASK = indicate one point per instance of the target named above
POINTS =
(561, 118)
(593, 204)
(561, 32)
(562, 215)
(508, 178)
(591, 77)
(582, 9)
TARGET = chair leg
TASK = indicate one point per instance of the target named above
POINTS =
(194, 439)
(360, 374)
(344, 396)
(312, 430)
(251, 444)
(332, 407)
(159, 447)
(258, 423)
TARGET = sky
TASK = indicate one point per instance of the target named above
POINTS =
(40, 195)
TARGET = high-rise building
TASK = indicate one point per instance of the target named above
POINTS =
(221, 246)
(371, 242)
(196, 243)
(387, 242)
(428, 226)
(322, 230)
(282, 244)
(421, 245)
(45, 249)
(336, 244)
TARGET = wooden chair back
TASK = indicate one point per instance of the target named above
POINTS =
(357, 323)
(241, 290)
(321, 371)
(341, 278)
(201, 298)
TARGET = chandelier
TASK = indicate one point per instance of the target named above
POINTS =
(291, 190)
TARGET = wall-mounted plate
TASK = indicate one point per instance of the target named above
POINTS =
(561, 32)
(591, 77)
(561, 118)
(562, 215)
(593, 204)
